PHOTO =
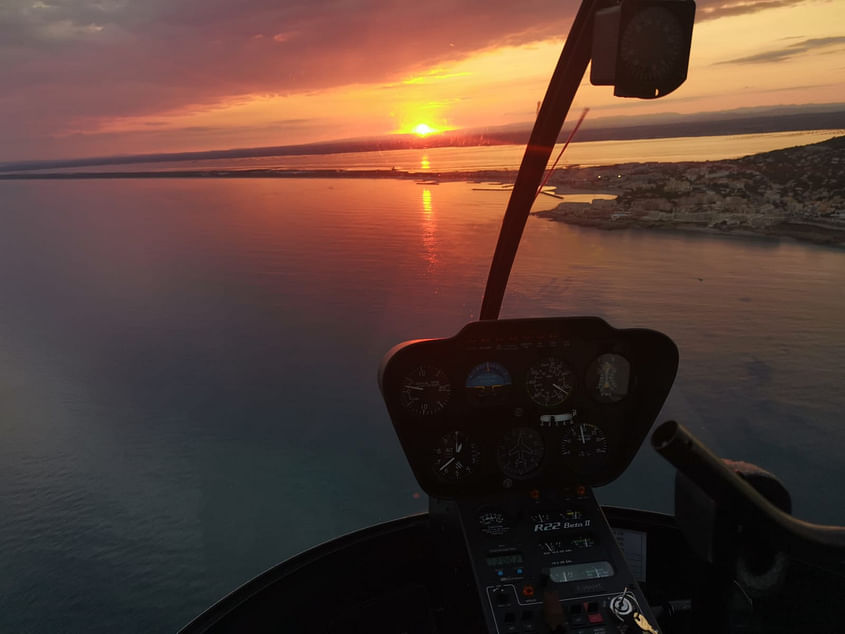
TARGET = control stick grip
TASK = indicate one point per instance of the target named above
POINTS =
(821, 546)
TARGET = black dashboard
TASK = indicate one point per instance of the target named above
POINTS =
(520, 404)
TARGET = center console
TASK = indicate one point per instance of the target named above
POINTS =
(547, 561)
(507, 426)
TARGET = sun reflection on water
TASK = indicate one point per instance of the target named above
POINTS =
(426, 201)
(429, 231)
(424, 162)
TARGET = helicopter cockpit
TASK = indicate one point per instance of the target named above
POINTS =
(507, 426)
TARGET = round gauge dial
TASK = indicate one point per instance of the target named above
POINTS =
(584, 441)
(488, 383)
(455, 456)
(651, 46)
(548, 382)
(425, 391)
(520, 452)
(609, 378)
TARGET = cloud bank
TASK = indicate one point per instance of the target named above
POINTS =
(790, 51)
(65, 65)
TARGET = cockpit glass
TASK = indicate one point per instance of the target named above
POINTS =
(217, 219)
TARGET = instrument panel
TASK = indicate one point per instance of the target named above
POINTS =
(525, 403)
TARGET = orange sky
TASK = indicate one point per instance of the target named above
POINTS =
(107, 77)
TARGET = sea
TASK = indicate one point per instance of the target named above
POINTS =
(188, 366)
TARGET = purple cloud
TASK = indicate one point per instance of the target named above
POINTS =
(65, 64)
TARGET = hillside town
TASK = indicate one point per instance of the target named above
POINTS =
(796, 193)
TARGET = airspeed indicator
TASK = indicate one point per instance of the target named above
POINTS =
(425, 391)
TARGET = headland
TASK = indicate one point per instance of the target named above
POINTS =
(792, 193)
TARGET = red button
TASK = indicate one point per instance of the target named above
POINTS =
(528, 591)
(595, 619)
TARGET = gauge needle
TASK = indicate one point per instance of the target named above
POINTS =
(583, 440)
(447, 463)
(414, 387)
(458, 447)
(557, 387)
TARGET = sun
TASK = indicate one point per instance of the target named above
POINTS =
(423, 129)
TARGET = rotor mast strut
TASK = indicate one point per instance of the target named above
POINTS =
(564, 83)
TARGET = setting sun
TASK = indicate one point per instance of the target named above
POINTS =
(423, 129)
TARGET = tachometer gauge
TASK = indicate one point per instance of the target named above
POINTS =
(488, 383)
(425, 391)
(584, 441)
(608, 378)
(548, 382)
(520, 452)
(455, 456)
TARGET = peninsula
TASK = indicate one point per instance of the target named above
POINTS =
(795, 193)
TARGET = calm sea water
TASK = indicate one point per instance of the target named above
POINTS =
(188, 370)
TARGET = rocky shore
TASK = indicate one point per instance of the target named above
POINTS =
(793, 193)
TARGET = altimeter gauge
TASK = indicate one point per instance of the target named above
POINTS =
(548, 382)
(583, 440)
(425, 391)
(520, 452)
(455, 457)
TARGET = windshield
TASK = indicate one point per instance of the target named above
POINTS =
(189, 362)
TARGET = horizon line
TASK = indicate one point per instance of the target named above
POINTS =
(767, 118)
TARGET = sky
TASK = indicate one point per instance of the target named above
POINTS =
(105, 77)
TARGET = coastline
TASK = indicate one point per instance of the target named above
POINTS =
(832, 236)
(796, 193)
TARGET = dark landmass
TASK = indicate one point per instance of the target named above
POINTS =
(796, 193)
(668, 125)
(429, 176)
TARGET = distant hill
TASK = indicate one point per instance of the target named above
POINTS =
(666, 125)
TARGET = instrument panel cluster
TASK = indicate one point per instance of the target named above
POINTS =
(525, 403)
